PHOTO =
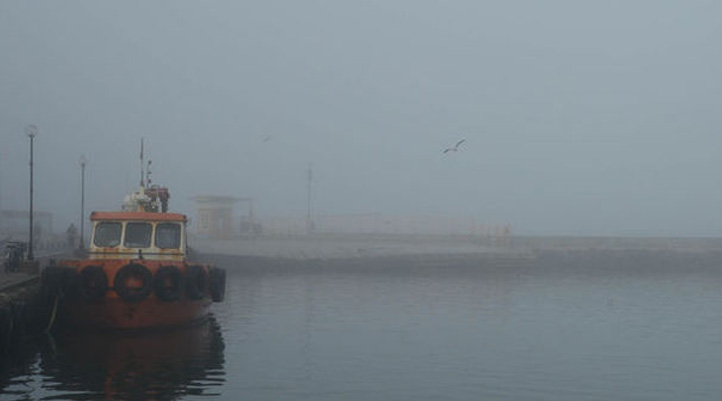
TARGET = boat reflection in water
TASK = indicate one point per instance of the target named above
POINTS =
(164, 364)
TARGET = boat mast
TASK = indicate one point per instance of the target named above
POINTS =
(142, 173)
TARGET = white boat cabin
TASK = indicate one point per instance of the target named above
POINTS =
(138, 235)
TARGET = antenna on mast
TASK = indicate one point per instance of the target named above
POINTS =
(147, 174)
(142, 173)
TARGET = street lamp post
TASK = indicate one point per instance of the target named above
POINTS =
(82, 162)
(31, 131)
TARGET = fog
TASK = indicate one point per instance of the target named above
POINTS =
(580, 117)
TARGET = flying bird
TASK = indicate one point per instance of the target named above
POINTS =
(455, 148)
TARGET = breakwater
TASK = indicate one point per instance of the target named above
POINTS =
(363, 246)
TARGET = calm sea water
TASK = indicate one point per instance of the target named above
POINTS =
(637, 326)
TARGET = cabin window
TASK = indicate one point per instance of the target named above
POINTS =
(167, 235)
(107, 234)
(137, 235)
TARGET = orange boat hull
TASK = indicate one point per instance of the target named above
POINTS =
(114, 313)
(133, 293)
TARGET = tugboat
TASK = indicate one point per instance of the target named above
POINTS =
(137, 273)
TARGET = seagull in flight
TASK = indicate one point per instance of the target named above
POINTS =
(455, 148)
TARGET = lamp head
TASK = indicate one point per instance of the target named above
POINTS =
(31, 130)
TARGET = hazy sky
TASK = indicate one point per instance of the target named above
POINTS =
(581, 117)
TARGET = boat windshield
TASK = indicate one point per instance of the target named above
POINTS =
(137, 235)
(167, 235)
(107, 234)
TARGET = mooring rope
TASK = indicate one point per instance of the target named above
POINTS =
(52, 314)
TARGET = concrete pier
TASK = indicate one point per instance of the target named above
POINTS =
(21, 309)
(24, 309)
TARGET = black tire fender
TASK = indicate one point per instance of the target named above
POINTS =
(130, 294)
(218, 283)
(93, 283)
(168, 283)
(70, 283)
(51, 280)
(196, 281)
